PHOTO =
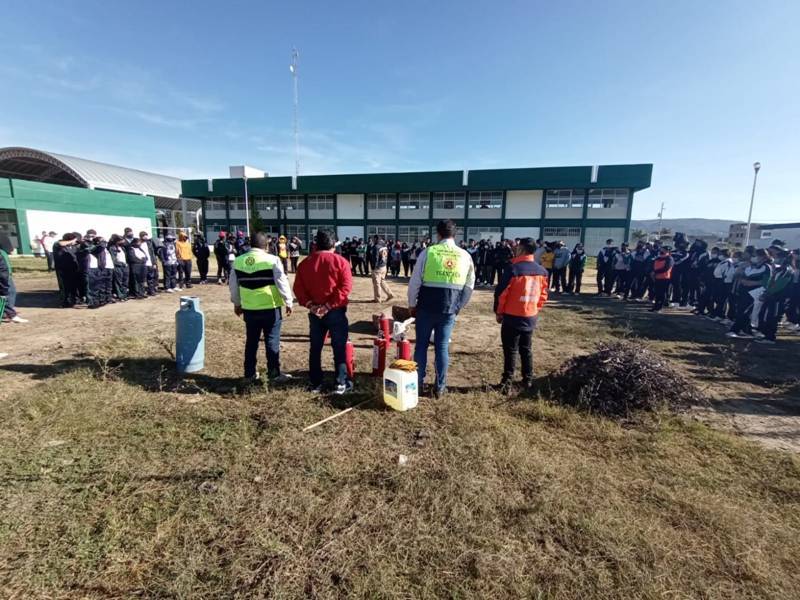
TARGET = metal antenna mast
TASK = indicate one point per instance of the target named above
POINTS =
(660, 220)
(293, 69)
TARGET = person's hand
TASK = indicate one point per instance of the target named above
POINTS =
(238, 310)
(288, 311)
(498, 317)
(413, 311)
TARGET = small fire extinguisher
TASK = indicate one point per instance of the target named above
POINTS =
(404, 349)
(350, 359)
(386, 327)
(378, 357)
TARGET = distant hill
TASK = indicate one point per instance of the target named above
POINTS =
(690, 227)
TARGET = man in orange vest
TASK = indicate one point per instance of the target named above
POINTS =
(662, 275)
(518, 298)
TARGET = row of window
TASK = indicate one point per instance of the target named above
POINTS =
(492, 200)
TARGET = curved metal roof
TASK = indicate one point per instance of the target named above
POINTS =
(49, 167)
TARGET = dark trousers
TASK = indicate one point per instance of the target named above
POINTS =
(638, 283)
(516, 342)
(138, 280)
(120, 283)
(293, 260)
(269, 323)
(202, 267)
(335, 323)
(151, 280)
(605, 281)
(358, 265)
(98, 290)
(744, 307)
(50, 262)
(720, 292)
(622, 282)
(69, 287)
(705, 301)
(660, 289)
(773, 311)
(793, 304)
(405, 268)
(575, 279)
(559, 279)
(223, 269)
(170, 272)
(185, 273)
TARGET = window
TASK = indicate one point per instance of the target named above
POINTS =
(215, 204)
(494, 234)
(553, 233)
(293, 202)
(296, 231)
(413, 233)
(320, 202)
(564, 198)
(383, 231)
(265, 203)
(312, 229)
(236, 203)
(415, 201)
(448, 200)
(485, 200)
(381, 201)
(607, 198)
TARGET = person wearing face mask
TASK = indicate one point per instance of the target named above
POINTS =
(749, 291)
(121, 276)
(774, 297)
(518, 298)
(577, 264)
(662, 275)
(201, 253)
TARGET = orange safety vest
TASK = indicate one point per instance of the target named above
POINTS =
(659, 264)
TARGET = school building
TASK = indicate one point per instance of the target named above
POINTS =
(575, 204)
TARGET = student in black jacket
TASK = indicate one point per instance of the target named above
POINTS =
(122, 275)
(201, 253)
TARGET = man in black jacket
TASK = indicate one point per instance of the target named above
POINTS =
(222, 250)
(201, 253)
(148, 246)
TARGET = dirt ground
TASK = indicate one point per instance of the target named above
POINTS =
(753, 389)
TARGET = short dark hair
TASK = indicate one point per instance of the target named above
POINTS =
(528, 245)
(446, 228)
(324, 239)
(259, 239)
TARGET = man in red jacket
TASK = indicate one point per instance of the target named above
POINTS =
(518, 298)
(323, 284)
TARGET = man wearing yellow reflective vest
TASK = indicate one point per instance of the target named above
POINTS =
(259, 288)
(440, 286)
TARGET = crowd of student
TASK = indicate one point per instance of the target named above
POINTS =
(751, 291)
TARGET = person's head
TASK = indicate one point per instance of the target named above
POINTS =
(724, 253)
(78, 237)
(640, 245)
(240, 234)
(325, 239)
(609, 243)
(760, 257)
(128, 232)
(738, 256)
(282, 239)
(715, 252)
(90, 234)
(44, 233)
(561, 244)
(624, 247)
(144, 236)
(136, 242)
(525, 246)
(69, 236)
(115, 239)
(221, 235)
(445, 229)
(52, 234)
(170, 237)
(182, 236)
(260, 240)
(664, 250)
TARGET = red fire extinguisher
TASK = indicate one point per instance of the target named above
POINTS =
(350, 359)
(378, 357)
(386, 327)
(404, 349)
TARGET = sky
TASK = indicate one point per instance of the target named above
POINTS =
(699, 89)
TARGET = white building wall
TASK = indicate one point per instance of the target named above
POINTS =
(619, 210)
(350, 206)
(511, 233)
(63, 222)
(349, 231)
(523, 204)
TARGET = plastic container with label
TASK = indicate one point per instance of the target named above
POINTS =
(400, 389)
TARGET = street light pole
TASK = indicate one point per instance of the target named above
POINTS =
(246, 207)
(756, 168)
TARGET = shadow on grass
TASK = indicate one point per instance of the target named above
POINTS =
(38, 299)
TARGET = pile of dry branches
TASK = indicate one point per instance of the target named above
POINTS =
(622, 378)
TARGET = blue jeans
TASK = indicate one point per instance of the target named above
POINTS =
(336, 323)
(269, 322)
(11, 300)
(442, 326)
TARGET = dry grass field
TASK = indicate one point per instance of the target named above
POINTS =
(118, 479)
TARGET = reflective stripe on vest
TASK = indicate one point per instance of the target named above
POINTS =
(257, 289)
(446, 267)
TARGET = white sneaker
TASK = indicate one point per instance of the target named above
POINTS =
(282, 378)
(18, 319)
(731, 334)
(170, 291)
(344, 388)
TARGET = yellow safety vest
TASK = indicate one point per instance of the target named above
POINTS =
(446, 266)
(256, 279)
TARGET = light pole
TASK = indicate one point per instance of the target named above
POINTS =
(756, 167)
(293, 69)
(246, 207)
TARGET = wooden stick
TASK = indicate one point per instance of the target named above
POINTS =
(335, 416)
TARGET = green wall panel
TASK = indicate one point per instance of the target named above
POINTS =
(32, 195)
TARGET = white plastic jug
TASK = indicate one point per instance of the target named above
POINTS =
(400, 389)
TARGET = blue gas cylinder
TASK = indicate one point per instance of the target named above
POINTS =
(190, 335)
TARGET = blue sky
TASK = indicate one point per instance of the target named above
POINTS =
(700, 89)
